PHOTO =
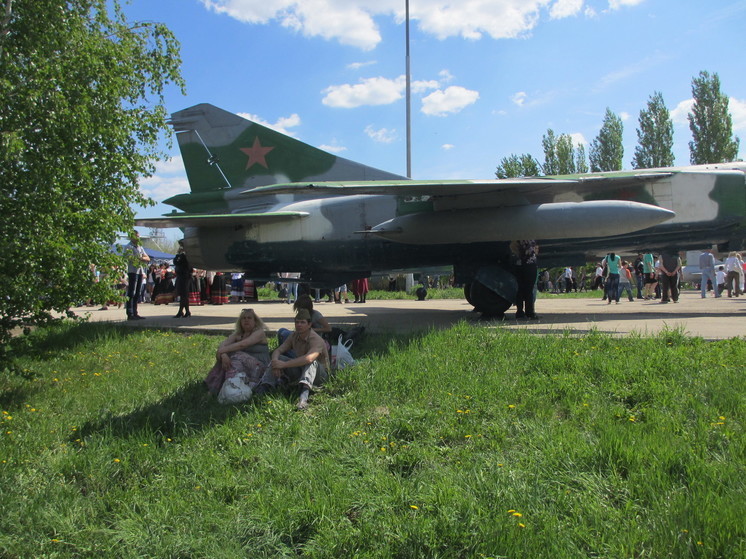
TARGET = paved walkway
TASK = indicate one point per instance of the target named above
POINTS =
(709, 318)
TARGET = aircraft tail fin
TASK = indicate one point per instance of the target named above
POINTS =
(222, 150)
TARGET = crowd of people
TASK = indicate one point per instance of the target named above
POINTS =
(650, 276)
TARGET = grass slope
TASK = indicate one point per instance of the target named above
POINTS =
(470, 442)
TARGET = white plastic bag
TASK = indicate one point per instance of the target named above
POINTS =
(341, 356)
(234, 390)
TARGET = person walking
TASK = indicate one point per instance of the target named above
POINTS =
(136, 257)
(732, 275)
(707, 265)
(183, 279)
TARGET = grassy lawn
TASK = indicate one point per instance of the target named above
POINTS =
(469, 442)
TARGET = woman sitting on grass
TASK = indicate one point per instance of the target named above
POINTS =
(244, 351)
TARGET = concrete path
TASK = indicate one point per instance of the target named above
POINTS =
(709, 318)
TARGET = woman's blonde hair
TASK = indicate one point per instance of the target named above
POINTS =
(258, 324)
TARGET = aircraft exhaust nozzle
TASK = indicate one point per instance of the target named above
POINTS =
(562, 220)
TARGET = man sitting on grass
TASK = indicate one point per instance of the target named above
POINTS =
(309, 367)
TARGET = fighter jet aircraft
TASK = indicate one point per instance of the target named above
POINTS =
(263, 202)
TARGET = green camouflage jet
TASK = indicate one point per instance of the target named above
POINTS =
(262, 202)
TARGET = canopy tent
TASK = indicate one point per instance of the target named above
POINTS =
(158, 255)
(155, 255)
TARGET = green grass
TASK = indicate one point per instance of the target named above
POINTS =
(267, 293)
(469, 442)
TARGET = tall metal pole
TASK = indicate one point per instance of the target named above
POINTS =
(409, 108)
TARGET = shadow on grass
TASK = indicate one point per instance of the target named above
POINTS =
(192, 408)
(184, 412)
(46, 342)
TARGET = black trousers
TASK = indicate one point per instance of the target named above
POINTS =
(134, 287)
(670, 283)
(526, 276)
(182, 290)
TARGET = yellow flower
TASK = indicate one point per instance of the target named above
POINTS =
(511, 406)
(415, 507)
(518, 514)
(117, 460)
(521, 525)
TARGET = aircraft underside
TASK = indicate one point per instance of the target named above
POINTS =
(484, 269)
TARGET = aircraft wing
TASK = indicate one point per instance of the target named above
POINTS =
(217, 220)
(529, 190)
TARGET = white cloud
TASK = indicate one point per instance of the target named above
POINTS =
(358, 65)
(454, 99)
(624, 116)
(738, 112)
(283, 124)
(333, 149)
(578, 138)
(420, 86)
(169, 179)
(619, 4)
(678, 115)
(349, 22)
(369, 91)
(373, 91)
(519, 98)
(736, 107)
(565, 8)
(622, 74)
(382, 135)
(447, 147)
(352, 22)
(445, 76)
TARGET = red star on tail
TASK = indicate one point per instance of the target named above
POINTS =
(257, 154)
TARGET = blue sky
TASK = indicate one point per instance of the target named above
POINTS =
(489, 76)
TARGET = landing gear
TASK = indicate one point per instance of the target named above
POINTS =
(485, 301)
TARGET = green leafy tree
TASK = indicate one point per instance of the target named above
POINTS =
(654, 136)
(518, 166)
(82, 121)
(581, 162)
(565, 155)
(711, 123)
(606, 149)
(549, 144)
(561, 157)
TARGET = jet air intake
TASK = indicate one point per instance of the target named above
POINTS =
(562, 220)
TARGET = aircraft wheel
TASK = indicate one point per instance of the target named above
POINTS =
(487, 301)
(467, 294)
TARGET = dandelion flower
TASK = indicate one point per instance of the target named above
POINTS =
(414, 507)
